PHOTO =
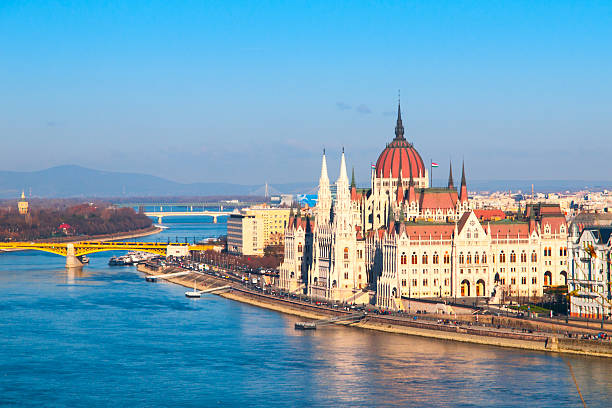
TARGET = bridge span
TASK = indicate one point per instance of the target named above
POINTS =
(161, 214)
(73, 250)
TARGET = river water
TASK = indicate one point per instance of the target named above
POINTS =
(105, 337)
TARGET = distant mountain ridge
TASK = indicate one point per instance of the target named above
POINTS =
(76, 181)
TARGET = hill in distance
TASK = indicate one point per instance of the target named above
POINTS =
(76, 181)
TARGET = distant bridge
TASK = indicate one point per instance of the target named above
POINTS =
(191, 205)
(161, 214)
(73, 250)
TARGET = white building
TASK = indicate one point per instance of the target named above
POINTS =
(590, 282)
(401, 238)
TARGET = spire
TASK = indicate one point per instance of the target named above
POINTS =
(399, 127)
(411, 193)
(23, 194)
(343, 175)
(353, 184)
(324, 176)
(451, 184)
(463, 196)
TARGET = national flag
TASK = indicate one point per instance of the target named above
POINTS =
(434, 164)
(373, 166)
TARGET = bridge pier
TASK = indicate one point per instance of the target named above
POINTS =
(71, 260)
(159, 220)
(214, 220)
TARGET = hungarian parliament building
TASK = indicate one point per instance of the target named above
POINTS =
(402, 238)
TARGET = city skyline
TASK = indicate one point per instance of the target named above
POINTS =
(243, 94)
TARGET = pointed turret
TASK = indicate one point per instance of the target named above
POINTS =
(342, 204)
(324, 176)
(400, 188)
(411, 192)
(324, 202)
(463, 195)
(23, 194)
(451, 183)
(353, 184)
(343, 176)
(399, 127)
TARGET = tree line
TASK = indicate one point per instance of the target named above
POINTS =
(82, 219)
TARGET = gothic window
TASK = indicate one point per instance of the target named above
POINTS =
(547, 229)
(424, 259)
(523, 257)
(475, 234)
(346, 253)
(404, 258)
(513, 281)
(300, 247)
(469, 258)
(414, 258)
(404, 282)
(476, 258)
(512, 257)
(345, 275)
(502, 257)
(414, 282)
(446, 258)
(468, 234)
(534, 256)
(461, 258)
(436, 259)
(484, 257)
(424, 282)
(524, 280)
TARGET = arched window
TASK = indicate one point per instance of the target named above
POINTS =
(484, 257)
(346, 252)
(512, 257)
(446, 258)
(476, 258)
(404, 258)
(461, 258)
(469, 258)
(414, 258)
(436, 258)
(502, 257)
(534, 257)
(523, 257)
(424, 259)
(300, 247)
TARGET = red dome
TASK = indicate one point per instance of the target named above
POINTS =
(400, 154)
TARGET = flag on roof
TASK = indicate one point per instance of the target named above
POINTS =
(434, 164)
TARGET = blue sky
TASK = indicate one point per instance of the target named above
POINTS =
(252, 91)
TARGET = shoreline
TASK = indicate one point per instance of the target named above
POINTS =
(544, 342)
(100, 238)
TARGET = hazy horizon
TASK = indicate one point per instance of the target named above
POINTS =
(246, 93)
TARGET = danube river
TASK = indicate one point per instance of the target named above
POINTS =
(105, 337)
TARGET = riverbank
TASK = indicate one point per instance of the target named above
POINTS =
(97, 238)
(539, 341)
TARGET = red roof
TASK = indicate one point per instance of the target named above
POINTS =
(490, 214)
(433, 199)
(514, 230)
(433, 231)
(400, 153)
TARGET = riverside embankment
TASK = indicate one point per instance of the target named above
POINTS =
(490, 330)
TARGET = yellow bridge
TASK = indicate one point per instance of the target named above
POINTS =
(76, 249)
